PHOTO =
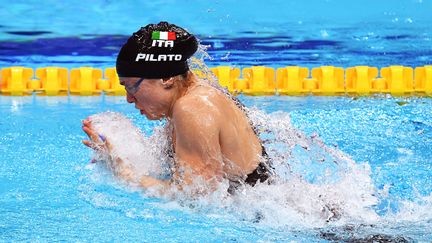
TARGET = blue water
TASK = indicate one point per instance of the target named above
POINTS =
(49, 192)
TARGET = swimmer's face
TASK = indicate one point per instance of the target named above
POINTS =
(150, 96)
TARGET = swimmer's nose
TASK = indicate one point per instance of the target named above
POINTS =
(129, 98)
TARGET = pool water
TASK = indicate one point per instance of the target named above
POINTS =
(50, 191)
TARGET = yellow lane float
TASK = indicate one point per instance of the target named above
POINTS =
(51, 81)
(291, 80)
(228, 77)
(423, 80)
(399, 80)
(85, 80)
(14, 80)
(256, 80)
(113, 83)
(260, 80)
(330, 80)
(360, 79)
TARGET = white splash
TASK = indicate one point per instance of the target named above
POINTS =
(345, 197)
(145, 155)
(413, 211)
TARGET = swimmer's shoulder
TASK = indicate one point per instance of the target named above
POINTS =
(198, 105)
(202, 99)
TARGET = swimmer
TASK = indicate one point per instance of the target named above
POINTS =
(212, 137)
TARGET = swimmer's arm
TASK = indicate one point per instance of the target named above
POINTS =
(148, 181)
(198, 151)
(127, 174)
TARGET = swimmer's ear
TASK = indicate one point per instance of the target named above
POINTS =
(168, 83)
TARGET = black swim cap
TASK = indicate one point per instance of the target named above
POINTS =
(156, 51)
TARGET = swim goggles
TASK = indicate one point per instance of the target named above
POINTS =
(134, 88)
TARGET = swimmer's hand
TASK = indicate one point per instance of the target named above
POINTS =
(96, 141)
(100, 144)
(148, 181)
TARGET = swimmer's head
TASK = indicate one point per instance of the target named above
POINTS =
(153, 67)
(156, 51)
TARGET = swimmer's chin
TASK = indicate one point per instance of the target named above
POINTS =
(152, 117)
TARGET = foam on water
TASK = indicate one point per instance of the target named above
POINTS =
(146, 155)
(332, 193)
(292, 198)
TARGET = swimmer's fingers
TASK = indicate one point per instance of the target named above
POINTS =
(87, 123)
(94, 146)
(87, 127)
(108, 145)
(97, 141)
(91, 133)
(88, 144)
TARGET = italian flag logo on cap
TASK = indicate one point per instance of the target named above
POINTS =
(163, 35)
